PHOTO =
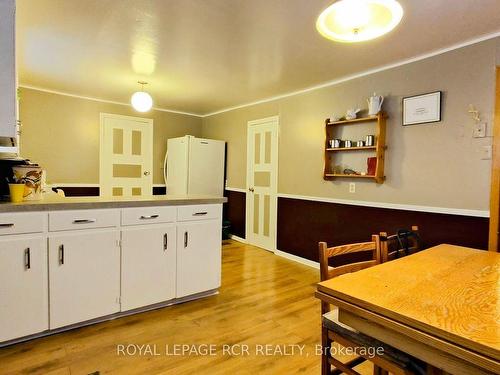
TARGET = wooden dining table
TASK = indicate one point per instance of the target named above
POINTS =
(441, 305)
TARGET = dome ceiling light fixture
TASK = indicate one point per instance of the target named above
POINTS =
(351, 21)
(141, 100)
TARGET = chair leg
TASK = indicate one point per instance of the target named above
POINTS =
(326, 369)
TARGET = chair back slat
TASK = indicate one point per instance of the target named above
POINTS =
(352, 267)
(326, 253)
(390, 246)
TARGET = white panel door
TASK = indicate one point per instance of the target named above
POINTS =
(148, 265)
(24, 296)
(84, 275)
(126, 159)
(206, 167)
(262, 182)
(198, 257)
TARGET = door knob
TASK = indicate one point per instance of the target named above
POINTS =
(251, 190)
(146, 173)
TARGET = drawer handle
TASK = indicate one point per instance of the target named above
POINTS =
(149, 217)
(61, 255)
(27, 258)
(9, 225)
(200, 213)
(165, 242)
(185, 239)
(84, 221)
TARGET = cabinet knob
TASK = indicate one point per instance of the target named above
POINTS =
(147, 173)
(251, 189)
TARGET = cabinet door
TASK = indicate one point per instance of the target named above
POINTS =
(148, 265)
(7, 69)
(84, 274)
(23, 287)
(198, 257)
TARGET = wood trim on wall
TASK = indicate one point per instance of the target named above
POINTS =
(495, 173)
(303, 223)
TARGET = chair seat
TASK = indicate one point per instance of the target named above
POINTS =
(331, 321)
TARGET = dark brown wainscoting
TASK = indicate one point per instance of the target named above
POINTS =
(86, 191)
(302, 224)
(235, 212)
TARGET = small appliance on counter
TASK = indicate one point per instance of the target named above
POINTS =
(7, 167)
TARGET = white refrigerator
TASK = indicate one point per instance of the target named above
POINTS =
(194, 166)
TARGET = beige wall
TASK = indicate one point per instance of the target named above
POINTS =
(430, 165)
(62, 134)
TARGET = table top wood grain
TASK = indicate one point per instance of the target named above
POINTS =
(447, 291)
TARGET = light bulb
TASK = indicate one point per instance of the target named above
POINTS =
(141, 101)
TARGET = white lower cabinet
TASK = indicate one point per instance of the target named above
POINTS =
(84, 275)
(101, 262)
(198, 257)
(23, 287)
(148, 265)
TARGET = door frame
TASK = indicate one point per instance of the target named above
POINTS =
(102, 117)
(275, 121)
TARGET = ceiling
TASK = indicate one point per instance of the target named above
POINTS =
(201, 56)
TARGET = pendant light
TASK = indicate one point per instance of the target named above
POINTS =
(141, 100)
(351, 21)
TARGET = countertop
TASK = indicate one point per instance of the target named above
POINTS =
(55, 202)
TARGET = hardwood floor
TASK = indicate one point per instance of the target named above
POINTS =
(264, 300)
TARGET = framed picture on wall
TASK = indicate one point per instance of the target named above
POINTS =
(422, 109)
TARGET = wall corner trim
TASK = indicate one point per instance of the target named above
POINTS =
(394, 206)
(297, 259)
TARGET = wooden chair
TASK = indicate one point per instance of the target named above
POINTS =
(392, 247)
(334, 331)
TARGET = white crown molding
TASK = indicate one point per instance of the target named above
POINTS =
(361, 74)
(393, 206)
(297, 92)
(30, 87)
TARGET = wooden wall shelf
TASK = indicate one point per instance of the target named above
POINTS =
(379, 148)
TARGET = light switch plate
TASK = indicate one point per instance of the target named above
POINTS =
(479, 130)
(486, 153)
(352, 187)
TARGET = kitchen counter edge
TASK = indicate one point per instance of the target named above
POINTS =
(86, 203)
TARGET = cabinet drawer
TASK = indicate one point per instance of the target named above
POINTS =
(83, 219)
(199, 212)
(148, 215)
(18, 223)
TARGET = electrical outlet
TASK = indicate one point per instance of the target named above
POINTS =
(486, 153)
(352, 187)
(479, 130)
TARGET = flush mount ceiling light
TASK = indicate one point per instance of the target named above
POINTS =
(351, 21)
(141, 100)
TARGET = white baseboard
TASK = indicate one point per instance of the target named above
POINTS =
(297, 259)
(236, 238)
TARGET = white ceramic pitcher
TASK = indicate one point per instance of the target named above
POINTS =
(374, 104)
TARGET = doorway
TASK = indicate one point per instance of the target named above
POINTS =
(126, 156)
(262, 182)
